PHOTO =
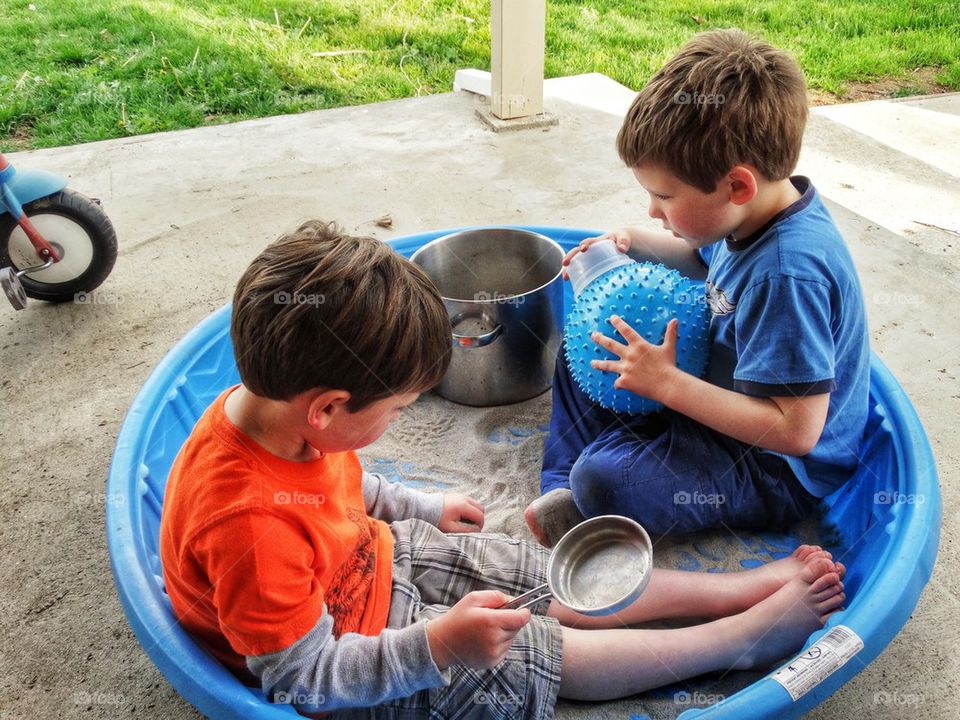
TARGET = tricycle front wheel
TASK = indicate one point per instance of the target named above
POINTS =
(83, 236)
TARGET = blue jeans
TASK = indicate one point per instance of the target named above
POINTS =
(666, 471)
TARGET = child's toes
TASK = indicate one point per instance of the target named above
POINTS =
(815, 568)
(827, 592)
(826, 582)
(830, 604)
(804, 551)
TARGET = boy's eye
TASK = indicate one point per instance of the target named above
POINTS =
(661, 197)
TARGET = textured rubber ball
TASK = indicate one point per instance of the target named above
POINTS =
(666, 295)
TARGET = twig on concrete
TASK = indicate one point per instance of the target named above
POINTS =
(48, 604)
(938, 227)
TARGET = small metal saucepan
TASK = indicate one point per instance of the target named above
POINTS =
(599, 567)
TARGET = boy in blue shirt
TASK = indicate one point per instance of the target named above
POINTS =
(777, 422)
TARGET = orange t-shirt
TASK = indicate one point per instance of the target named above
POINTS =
(253, 545)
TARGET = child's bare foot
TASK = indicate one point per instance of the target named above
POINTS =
(778, 626)
(772, 576)
(745, 589)
(551, 515)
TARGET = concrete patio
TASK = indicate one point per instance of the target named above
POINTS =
(192, 208)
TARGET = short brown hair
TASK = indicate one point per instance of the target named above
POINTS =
(724, 99)
(322, 309)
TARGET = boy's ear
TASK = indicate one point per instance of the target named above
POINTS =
(742, 184)
(324, 405)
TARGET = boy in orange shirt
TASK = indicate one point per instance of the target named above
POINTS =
(336, 590)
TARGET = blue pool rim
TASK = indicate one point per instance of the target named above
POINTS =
(876, 613)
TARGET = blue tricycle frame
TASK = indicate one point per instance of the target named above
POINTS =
(887, 518)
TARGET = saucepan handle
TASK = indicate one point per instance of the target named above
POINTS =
(531, 597)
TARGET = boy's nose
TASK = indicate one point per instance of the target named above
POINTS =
(654, 211)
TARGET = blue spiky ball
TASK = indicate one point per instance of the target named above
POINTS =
(647, 296)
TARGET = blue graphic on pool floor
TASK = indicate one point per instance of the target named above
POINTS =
(517, 435)
(411, 474)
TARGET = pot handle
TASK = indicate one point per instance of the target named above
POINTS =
(531, 597)
(472, 341)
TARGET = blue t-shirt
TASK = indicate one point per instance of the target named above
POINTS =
(788, 319)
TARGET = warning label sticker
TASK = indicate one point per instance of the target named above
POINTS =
(819, 661)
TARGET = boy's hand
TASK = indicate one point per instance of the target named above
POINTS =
(620, 237)
(644, 368)
(473, 632)
(460, 514)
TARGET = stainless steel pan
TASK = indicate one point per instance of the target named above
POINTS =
(599, 567)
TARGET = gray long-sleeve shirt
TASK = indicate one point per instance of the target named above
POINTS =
(320, 673)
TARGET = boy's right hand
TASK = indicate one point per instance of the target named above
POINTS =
(474, 632)
(621, 237)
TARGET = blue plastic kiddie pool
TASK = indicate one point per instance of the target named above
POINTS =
(887, 519)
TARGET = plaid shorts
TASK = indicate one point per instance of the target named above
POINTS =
(431, 572)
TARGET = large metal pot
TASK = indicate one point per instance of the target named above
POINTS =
(503, 290)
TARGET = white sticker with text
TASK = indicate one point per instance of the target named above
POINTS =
(819, 661)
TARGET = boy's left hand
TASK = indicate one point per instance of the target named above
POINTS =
(460, 514)
(644, 368)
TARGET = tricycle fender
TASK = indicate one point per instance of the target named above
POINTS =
(24, 186)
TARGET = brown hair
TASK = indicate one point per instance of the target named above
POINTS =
(724, 99)
(321, 309)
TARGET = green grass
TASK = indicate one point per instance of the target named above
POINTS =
(74, 71)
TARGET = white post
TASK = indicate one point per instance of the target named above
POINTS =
(517, 30)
